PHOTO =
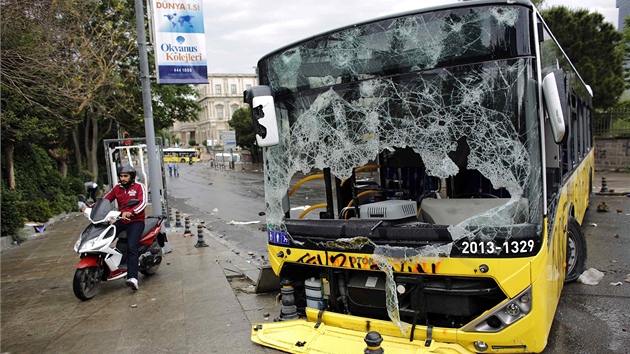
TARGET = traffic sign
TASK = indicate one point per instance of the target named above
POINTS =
(228, 135)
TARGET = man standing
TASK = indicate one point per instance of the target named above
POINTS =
(132, 217)
(91, 187)
(176, 169)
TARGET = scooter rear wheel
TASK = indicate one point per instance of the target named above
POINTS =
(85, 281)
(151, 270)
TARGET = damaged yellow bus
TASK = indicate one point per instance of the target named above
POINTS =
(454, 147)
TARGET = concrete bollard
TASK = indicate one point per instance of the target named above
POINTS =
(200, 241)
(288, 310)
(373, 340)
(187, 227)
(604, 186)
(178, 222)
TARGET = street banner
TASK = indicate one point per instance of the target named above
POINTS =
(179, 42)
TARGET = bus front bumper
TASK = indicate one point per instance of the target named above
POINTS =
(338, 333)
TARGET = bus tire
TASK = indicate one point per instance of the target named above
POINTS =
(576, 251)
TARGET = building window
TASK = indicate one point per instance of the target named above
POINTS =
(217, 89)
(219, 112)
(233, 89)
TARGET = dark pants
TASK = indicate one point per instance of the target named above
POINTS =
(134, 232)
(92, 193)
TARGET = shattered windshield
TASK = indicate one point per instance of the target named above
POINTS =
(453, 86)
(443, 104)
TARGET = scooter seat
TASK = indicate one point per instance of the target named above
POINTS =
(149, 224)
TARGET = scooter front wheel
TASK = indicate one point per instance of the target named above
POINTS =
(85, 281)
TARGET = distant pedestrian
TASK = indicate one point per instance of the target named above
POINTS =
(170, 169)
(91, 187)
(176, 169)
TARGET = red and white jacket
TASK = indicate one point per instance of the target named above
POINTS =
(123, 195)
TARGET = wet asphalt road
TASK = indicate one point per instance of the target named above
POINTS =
(232, 203)
(596, 319)
(589, 319)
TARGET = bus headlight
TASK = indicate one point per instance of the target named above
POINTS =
(504, 315)
(512, 310)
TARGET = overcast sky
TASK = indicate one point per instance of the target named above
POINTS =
(239, 33)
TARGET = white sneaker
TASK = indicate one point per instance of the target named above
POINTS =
(132, 283)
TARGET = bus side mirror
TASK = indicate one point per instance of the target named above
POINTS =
(554, 107)
(264, 115)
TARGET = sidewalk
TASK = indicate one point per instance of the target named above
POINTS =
(198, 301)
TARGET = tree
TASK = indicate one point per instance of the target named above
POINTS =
(34, 98)
(595, 47)
(538, 3)
(61, 60)
(70, 78)
(243, 126)
(626, 44)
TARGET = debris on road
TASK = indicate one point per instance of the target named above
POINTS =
(591, 276)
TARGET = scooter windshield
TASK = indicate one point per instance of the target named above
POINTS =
(100, 209)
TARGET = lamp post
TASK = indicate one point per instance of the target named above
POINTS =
(154, 168)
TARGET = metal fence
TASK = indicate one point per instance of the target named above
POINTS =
(612, 123)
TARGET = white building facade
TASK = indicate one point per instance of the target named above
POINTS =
(218, 99)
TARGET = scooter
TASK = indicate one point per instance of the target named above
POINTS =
(99, 261)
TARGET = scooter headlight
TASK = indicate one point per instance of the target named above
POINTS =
(77, 244)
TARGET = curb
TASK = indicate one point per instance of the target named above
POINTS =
(30, 231)
(625, 193)
(232, 263)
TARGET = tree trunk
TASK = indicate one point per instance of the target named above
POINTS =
(93, 132)
(62, 162)
(77, 148)
(91, 138)
(8, 160)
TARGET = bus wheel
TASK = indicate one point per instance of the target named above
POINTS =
(576, 251)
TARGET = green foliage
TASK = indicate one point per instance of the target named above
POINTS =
(43, 192)
(192, 142)
(39, 210)
(244, 126)
(626, 44)
(12, 220)
(596, 49)
(173, 103)
(242, 123)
